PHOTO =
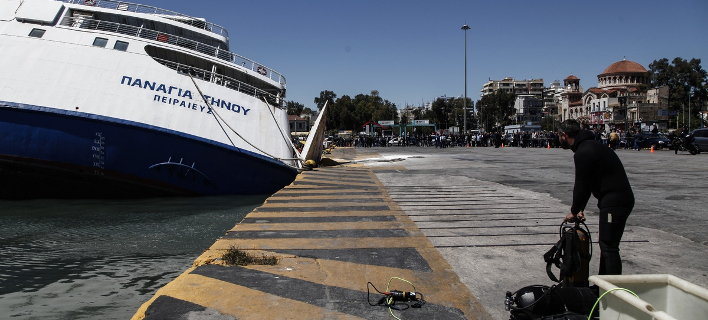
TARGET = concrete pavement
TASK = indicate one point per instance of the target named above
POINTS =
(492, 213)
(465, 225)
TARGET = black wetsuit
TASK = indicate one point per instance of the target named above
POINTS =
(599, 171)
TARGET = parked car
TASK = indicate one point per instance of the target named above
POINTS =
(395, 141)
(509, 140)
(701, 136)
(658, 140)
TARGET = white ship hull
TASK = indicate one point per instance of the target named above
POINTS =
(83, 120)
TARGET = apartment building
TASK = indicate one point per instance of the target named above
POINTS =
(510, 85)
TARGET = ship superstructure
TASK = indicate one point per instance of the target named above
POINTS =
(108, 98)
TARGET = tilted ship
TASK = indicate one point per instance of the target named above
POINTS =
(102, 98)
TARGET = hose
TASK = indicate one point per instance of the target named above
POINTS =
(608, 291)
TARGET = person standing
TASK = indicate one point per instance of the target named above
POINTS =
(629, 139)
(638, 140)
(614, 139)
(599, 172)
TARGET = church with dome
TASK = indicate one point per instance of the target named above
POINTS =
(606, 106)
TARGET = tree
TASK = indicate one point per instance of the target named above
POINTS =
(346, 113)
(496, 109)
(442, 111)
(683, 78)
(309, 112)
(325, 97)
(294, 108)
(458, 106)
(404, 119)
(549, 123)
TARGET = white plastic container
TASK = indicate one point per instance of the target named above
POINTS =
(661, 297)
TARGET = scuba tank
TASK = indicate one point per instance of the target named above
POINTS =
(571, 255)
(580, 277)
(554, 302)
(570, 297)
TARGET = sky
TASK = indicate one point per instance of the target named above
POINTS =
(414, 51)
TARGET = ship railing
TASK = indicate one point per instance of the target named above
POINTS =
(167, 14)
(222, 80)
(92, 24)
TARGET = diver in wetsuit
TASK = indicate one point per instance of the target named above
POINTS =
(599, 171)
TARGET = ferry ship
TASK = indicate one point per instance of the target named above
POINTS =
(103, 98)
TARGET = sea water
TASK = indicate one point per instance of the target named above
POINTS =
(91, 259)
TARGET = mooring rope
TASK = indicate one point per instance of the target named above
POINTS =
(287, 141)
(216, 114)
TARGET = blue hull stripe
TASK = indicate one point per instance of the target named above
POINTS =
(135, 152)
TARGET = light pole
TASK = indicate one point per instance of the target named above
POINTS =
(690, 90)
(464, 103)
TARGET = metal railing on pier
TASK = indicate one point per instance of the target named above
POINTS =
(139, 8)
(92, 24)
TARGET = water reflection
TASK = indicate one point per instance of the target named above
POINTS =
(79, 259)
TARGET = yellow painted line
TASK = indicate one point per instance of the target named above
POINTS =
(326, 182)
(340, 188)
(368, 176)
(321, 243)
(240, 302)
(326, 194)
(323, 204)
(324, 226)
(294, 214)
(439, 287)
(325, 199)
(330, 190)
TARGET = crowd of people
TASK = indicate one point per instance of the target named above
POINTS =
(438, 140)
(519, 139)
(488, 139)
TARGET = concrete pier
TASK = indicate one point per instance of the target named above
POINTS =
(334, 229)
(464, 225)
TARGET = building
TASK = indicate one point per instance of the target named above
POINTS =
(613, 103)
(298, 124)
(570, 99)
(551, 98)
(529, 109)
(508, 84)
(407, 113)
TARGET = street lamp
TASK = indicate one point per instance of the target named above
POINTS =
(464, 103)
(690, 90)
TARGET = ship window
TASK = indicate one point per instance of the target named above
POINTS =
(120, 45)
(100, 42)
(37, 33)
